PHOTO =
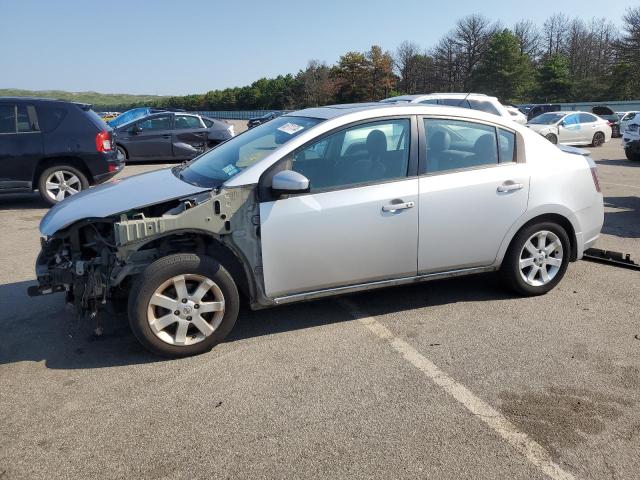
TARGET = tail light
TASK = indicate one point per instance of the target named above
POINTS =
(596, 180)
(103, 141)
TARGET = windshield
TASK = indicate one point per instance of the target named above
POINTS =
(129, 116)
(228, 159)
(547, 119)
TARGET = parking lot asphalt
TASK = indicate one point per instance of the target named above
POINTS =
(449, 379)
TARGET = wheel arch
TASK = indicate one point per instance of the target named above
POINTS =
(559, 215)
(75, 162)
(126, 150)
(205, 243)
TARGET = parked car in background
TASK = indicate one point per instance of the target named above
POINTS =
(321, 202)
(610, 116)
(627, 118)
(169, 136)
(56, 147)
(631, 140)
(473, 101)
(532, 110)
(255, 121)
(516, 115)
(138, 112)
(572, 128)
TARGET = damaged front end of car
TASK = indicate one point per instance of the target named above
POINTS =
(94, 260)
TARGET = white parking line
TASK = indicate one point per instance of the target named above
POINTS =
(520, 441)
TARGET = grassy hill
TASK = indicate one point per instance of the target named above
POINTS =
(100, 101)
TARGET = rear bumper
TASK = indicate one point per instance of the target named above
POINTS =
(590, 220)
(113, 167)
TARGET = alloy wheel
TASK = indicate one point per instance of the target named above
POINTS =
(540, 258)
(62, 184)
(185, 309)
(598, 139)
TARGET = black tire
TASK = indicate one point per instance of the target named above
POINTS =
(552, 138)
(510, 269)
(164, 269)
(64, 170)
(634, 157)
(598, 139)
(122, 152)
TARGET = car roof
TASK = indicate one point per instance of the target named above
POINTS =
(42, 100)
(374, 109)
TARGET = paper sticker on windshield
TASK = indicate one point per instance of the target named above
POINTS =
(230, 170)
(290, 128)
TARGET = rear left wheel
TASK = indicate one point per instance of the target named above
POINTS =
(59, 182)
(183, 305)
(537, 259)
(598, 139)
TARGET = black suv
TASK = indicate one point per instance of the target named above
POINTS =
(55, 146)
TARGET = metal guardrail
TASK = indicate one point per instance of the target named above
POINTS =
(238, 114)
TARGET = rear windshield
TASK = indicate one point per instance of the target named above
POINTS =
(97, 120)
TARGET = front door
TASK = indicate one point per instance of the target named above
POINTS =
(151, 140)
(474, 190)
(358, 223)
(570, 131)
(189, 136)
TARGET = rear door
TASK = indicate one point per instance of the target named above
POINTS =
(20, 145)
(472, 190)
(358, 223)
(189, 136)
(152, 141)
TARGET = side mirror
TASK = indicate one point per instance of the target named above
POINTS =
(562, 124)
(135, 130)
(288, 182)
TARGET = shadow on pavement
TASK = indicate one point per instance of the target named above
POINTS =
(625, 222)
(619, 163)
(43, 329)
(22, 201)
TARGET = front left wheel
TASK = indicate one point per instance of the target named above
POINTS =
(182, 305)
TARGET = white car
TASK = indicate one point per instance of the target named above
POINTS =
(572, 128)
(627, 118)
(474, 101)
(516, 115)
(322, 202)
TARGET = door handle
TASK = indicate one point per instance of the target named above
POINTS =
(398, 206)
(166, 135)
(509, 187)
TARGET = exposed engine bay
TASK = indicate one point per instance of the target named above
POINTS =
(95, 260)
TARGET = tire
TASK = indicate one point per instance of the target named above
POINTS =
(552, 138)
(598, 139)
(59, 182)
(160, 277)
(122, 153)
(634, 157)
(523, 282)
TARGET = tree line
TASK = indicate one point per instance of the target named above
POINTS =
(564, 59)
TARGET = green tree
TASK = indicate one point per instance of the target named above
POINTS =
(382, 79)
(554, 79)
(504, 71)
(352, 77)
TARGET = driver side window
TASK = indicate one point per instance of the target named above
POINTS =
(365, 153)
(571, 120)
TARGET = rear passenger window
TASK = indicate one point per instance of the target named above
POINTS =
(586, 118)
(50, 117)
(456, 144)
(186, 122)
(26, 119)
(483, 106)
(507, 146)
(365, 153)
(455, 102)
(7, 118)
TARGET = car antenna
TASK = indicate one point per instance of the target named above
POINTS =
(465, 97)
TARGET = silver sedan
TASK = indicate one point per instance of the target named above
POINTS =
(322, 202)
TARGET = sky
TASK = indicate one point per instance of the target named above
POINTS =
(177, 47)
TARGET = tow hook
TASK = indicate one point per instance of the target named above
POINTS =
(617, 259)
